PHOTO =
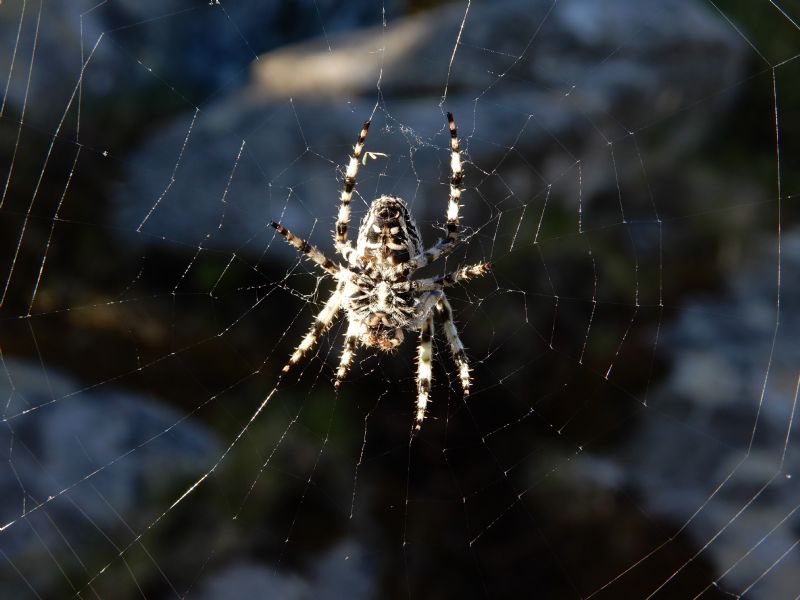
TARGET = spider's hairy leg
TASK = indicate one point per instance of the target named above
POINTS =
(424, 370)
(451, 278)
(321, 323)
(456, 346)
(342, 221)
(310, 251)
(350, 339)
(463, 274)
(445, 245)
(456, 179)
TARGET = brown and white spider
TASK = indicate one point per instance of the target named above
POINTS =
(374, 288)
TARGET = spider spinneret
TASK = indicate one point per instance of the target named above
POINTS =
(374, 287)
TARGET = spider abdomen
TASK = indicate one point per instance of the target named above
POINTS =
(388, 235)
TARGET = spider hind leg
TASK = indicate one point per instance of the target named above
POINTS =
(424, 370)
(456, 346)
(350, 340)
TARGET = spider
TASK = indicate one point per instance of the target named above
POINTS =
(374, 287)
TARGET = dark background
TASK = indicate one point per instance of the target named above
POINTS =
(634, 349)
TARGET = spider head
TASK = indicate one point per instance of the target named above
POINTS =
(382, 332)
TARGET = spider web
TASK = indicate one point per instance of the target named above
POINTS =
(630, 173)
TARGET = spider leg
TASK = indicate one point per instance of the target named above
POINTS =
(446, 245)
(321, 323)
(340, 237)
(350, 339)
(424, 370)
(456, 346)
(451, 278)
(456, 179)
(310, 251)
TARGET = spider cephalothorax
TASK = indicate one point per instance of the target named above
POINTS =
(374, 287)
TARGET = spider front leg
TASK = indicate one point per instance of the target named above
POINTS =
(340, 238)
(447, 244)
(424, 370)
(321, 323)
(445, 311)
(310, 251)
(456, 179)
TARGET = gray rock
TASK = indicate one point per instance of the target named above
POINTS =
(590, 74)
(56, 52)
(81, 463)
(696, 431)
(343, 572)
(132, 50)
(207, 46)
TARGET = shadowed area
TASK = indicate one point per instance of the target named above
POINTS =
(608, 396)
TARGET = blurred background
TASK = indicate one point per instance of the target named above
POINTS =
(632, 175)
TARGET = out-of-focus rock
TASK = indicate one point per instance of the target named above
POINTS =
(58, 39)
(555, 82)
(208, 45)
(83, 464)
(131, 50)
(343, 572)
(692, 459)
